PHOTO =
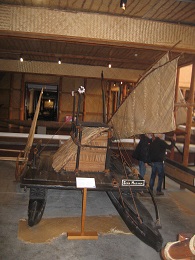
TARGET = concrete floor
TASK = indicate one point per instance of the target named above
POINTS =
(177, 211)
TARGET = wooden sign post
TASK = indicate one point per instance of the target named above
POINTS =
(82, 234)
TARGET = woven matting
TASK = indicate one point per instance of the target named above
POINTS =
(49, 229)
(68, 150)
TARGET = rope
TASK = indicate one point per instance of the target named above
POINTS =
(52, 137)
(130, 189)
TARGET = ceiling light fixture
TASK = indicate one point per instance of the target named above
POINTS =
(123, 4)
(109, 66)
(21, 59)
(59, 61)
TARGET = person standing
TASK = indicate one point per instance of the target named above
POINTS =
(157, 152)
(141, 153)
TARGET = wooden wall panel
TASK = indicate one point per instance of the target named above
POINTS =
(4, 97)
(47, 79)
(93, 87)
(93, 97)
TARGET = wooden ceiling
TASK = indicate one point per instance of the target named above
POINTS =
(173, 11)
(95, 54)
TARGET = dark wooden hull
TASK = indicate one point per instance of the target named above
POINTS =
(180, 174)
(142, 224)
(41, 177)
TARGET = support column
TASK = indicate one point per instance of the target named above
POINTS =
(84, 103)
(175, 109)
(11, 99)
(31, 102)
(109, 101)
(22, 98)
(189, 118)
(60, 100)
(124, 91)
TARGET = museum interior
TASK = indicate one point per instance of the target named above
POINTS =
(81, 82)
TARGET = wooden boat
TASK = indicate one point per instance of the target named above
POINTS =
(110, 175)
(183, 249)
(181, 174)
(88, 154)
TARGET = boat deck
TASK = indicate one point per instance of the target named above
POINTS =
(44, 175)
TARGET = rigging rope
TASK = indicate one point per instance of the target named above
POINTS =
(124, 161)
(51, 138)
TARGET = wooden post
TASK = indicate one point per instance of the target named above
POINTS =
(11, 98)
(124, 91)
(84, 103)
(175, 109)
(189, 118)
(31, 102)
(22, 98)
(83, 234)
(84, 202)
(109, 102)
(114, 101)
(22, 101)
(60, 100)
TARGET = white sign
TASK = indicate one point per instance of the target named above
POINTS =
(82, 182)
(128, 182)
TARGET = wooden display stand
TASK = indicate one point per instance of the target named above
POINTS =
(83, 234)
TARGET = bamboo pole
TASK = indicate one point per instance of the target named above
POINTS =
(10, 150)
(33, 127)
(185, 105)
(14, 159)
(189, 118)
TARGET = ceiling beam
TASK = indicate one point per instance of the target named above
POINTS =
(71, 56)
(95, 27)
(73, 70)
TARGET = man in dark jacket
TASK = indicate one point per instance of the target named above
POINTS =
(157, 152)
(141, 152)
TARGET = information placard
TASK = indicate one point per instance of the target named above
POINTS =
(82, 182)
(128, 182)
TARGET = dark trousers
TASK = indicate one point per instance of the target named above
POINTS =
(157, 167)
(142, 168)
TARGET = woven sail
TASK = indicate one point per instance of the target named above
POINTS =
(150, 107)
